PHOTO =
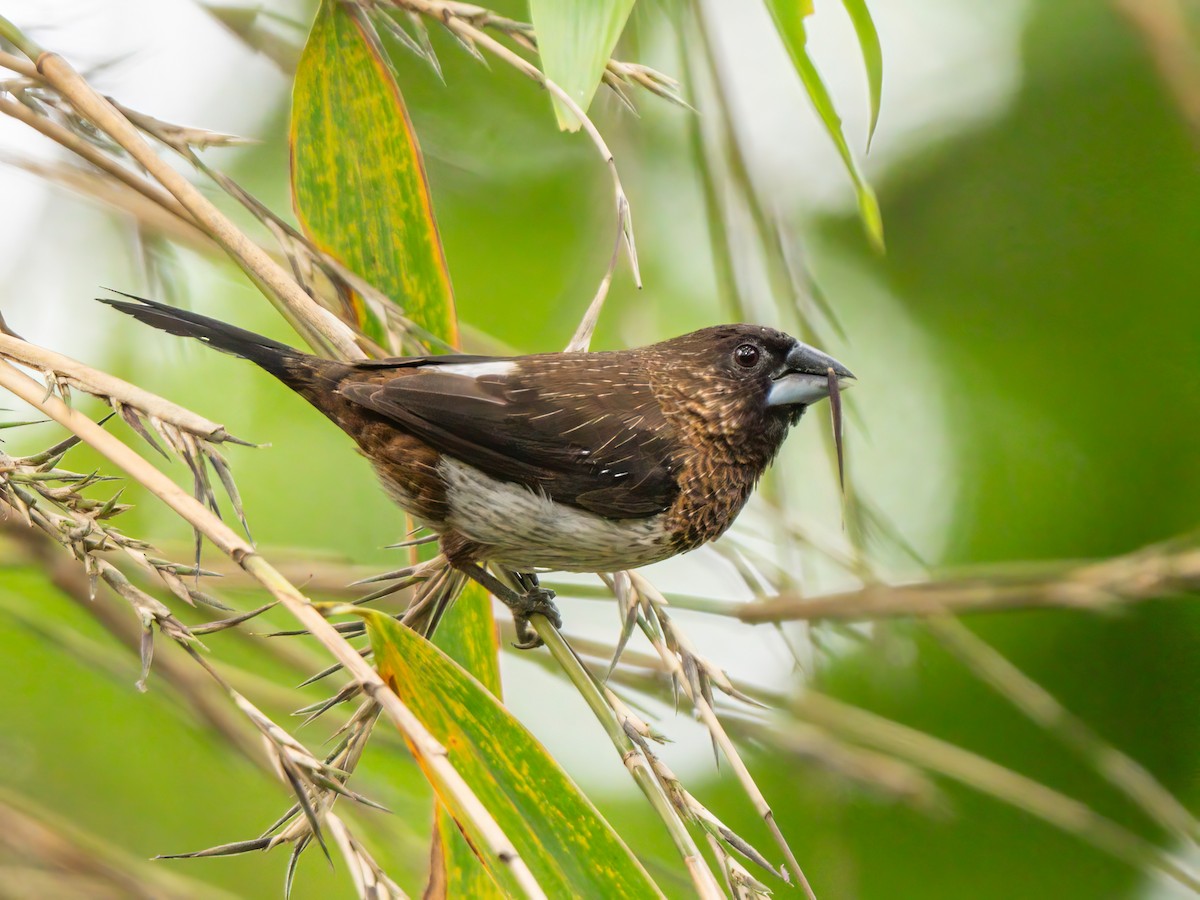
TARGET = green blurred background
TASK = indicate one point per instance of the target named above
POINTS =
(1027, 351)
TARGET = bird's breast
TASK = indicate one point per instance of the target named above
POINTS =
(710, 497)
(526, 530)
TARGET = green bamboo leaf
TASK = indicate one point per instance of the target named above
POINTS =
(467, 635)
(872, 53)
(789, 18)
(575, 41)
(569, 848)
(463, 641)
(358, 181)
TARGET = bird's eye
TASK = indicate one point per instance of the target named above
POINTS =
(746, 356)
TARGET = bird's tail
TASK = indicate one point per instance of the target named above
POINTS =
(277, 358)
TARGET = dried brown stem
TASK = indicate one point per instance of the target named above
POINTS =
(692, 684)
(18, 65)
(115, 196)
(101, 384)
(635, 761)
(60, 849)
(94, 155)
(67, 575)
(1156, 571)
(1043, 708)
(993, 779)
(1164, 28)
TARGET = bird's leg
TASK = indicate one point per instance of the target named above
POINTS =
(535, 599)
(465, 555)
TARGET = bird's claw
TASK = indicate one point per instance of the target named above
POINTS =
(539, 601)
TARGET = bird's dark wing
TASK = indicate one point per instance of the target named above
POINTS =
(584, 429)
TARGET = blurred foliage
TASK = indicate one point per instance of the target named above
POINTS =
(1046, 256)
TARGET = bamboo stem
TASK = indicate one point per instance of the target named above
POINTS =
(631, 755)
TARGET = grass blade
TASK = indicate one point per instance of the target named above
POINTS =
(789, 16)
(575, 41)
(872, 53)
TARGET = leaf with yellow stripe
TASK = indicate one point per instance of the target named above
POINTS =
(467, 634)
(358, 180)
(570, 849)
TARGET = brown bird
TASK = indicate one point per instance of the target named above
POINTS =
(579, 462)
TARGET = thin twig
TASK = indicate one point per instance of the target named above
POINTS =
(990, 778)
(450, 15)
(101, 384)
(115, 196)
(692, 682)
(94, 155)
(18, 65)
(1156, 571)
(582, 339)
(1165, 29)
(57, 843)
(1042, 708)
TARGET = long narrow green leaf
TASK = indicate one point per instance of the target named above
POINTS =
(575, 40)
(468, 636)
(789, 18)
(569, 848)
(872, 53)
(358, 180)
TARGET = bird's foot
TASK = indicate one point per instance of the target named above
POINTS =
(538, 601)
(532, 600)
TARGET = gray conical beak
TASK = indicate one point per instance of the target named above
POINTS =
(804, 378)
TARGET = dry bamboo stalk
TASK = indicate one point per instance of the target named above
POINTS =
(1154, 571)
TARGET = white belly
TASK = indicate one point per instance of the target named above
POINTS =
(525, 530)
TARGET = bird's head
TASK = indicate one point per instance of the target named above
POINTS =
(742, 379)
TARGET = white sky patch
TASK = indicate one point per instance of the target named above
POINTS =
(167, 58)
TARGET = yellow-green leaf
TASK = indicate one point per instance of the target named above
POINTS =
(789, 18)
(568, 846)
(872, 53)
(575, 40)
(460, 871)
(358, 181)
(460, 636)
(468, 636)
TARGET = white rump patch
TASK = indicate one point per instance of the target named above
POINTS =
(478, 370)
